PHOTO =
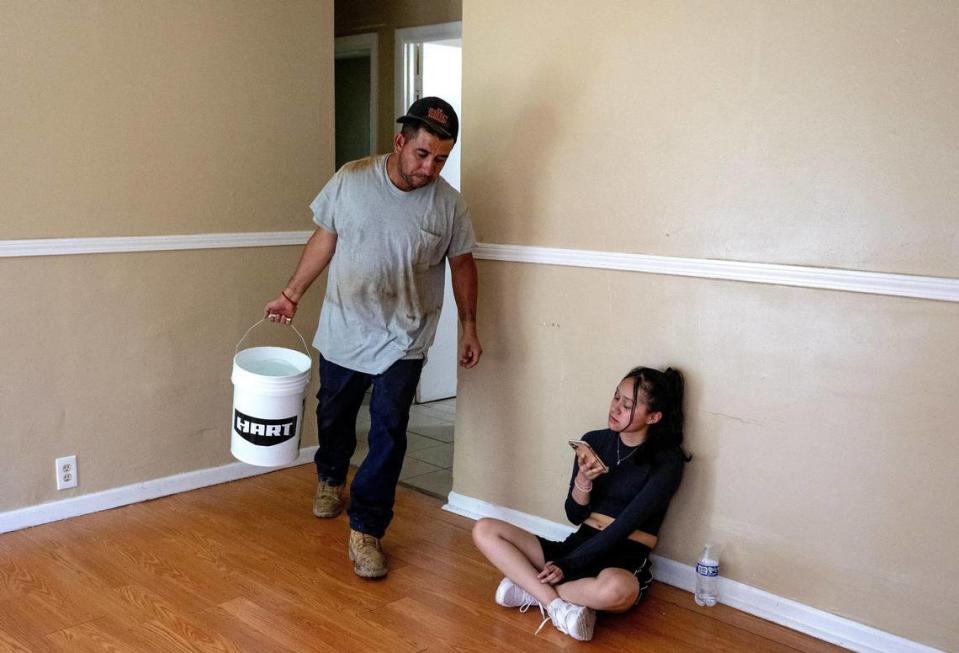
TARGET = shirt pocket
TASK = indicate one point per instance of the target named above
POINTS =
(429, 249)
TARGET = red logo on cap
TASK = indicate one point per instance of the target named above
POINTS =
(438, 115)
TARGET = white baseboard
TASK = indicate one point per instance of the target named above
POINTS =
(122, 496)
(791, 614)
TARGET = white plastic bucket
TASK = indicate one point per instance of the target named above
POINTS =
(269, 387)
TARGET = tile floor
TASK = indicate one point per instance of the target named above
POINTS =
(428, 465)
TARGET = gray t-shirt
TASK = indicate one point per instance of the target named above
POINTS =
(384, 290)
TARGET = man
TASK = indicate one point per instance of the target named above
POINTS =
(385, 226)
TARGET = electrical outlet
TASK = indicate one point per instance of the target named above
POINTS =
(66, 472)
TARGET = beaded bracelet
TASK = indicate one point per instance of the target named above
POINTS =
(584, 490)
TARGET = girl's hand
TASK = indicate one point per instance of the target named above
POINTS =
(551, 574)
(589, 467)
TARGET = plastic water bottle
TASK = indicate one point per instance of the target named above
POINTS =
(707, 578)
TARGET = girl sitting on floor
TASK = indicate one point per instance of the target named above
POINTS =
(604, 565)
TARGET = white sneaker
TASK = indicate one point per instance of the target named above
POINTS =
(577, 621)
(511, 595)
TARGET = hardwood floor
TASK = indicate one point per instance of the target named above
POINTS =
(245, 567)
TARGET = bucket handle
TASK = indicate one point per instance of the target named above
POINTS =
(306, 349)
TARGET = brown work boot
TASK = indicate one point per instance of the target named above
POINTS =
(328, 502)
(367, 555)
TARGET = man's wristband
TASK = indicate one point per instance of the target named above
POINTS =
(289, 299)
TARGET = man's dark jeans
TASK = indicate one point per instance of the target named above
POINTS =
(373, 490)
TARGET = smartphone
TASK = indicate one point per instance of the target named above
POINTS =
(582, 445)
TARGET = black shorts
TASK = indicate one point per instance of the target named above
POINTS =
(629, 555)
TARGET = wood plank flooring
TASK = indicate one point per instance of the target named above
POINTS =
(245, 567)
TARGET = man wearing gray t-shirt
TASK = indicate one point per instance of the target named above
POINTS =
(386, 226)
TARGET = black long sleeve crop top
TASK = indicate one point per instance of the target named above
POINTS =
(635, 493)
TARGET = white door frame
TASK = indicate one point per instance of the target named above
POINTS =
(405, 37)
(408, 86)
(361, 45)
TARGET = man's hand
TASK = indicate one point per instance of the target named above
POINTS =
(469, 349)
(282, 309)
(463, 270)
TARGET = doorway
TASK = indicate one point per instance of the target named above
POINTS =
(429, 63)
(355, 99)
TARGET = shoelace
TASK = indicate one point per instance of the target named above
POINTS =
(545, 616)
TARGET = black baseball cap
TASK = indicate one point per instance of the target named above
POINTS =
(435, 113)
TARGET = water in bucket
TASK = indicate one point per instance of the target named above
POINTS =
(272, 367)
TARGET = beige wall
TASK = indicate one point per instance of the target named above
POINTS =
(823, 424)
(143, 118)
(384, 17)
